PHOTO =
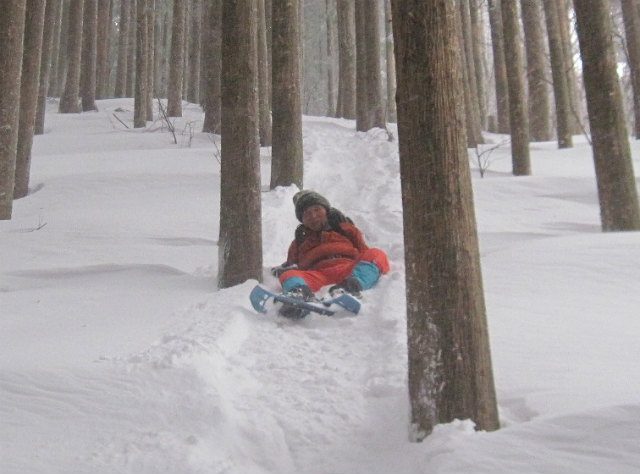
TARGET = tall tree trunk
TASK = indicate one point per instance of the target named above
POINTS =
(174, 91)
(375, 103)
(240, 242)
(89, 55)
(123, 49)
(70, 100)
(56, 46)
(346, 59)
(558, 73)
(631, 16)
(264, 98)
(150, 62)
(477, 35)
(195, 22)
(212, 45)
(11, 36)
(32, 55)
(63, 49)
(142, 65)
(286, 164)
(474, 131)
(536, 49)
(50, 14)
(102, 54)
(363, 118)
(331, 34)
(131, 50)
(614, 169)
(518, 113)
(450, 374)
(391, 64)
(563, 7)
(499, 66)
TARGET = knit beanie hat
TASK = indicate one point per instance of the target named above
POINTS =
(307, 198)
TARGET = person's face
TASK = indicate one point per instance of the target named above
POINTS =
(314, 217)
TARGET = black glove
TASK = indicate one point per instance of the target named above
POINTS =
(279, 270)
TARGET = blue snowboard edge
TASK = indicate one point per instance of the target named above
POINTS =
(260, 296)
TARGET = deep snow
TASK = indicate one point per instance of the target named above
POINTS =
(119, 354)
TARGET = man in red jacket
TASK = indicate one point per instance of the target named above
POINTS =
(328, 249)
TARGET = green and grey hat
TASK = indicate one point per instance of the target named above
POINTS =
(307, 198)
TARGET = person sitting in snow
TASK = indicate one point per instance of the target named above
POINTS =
(328, 249)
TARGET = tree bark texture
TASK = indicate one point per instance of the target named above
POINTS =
(142, 66)
(30, 84)
(499, 66)
(102, 52)
(240, 243)
(472, 104)
(123, 47)
(631, 16)
(518, 111)
(194, 44)
(536, 53)
(478, 42)
(12, 18)
(559, 76)
(70, 100)
(263, 78)
(57, 47)
(612, 156)
(346, 59)
(211, 50)
(174, 92)
(391, 64)
(450, 373)
(89, 55)
(286, 152)
(48, 35)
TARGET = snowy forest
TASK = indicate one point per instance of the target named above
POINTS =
(151, 152)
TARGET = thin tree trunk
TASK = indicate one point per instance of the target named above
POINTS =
(450, 375)
(617, 191)
(53, 89)
(264, 99)
(63, 49)
(70, 100)
(474, 130)
(331, 33)
(195, 22)
(89, 55)
(131, 51)
(104, 39)
(11, 36)
(391, 64)
(174, 92)
(123, 50)
(536, 51)
(375, 103)
(563, 7)
(212, 60)
(286, 164)
(30, 83)
(477, 35)
(240, 242)
(518, 116)
(150, 65)
(347, 59)
(363, 118)
(50, 14)
(499, 66)
(631, 18)
(142, 64)
(560, 83)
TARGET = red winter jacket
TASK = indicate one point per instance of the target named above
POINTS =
(316, 250)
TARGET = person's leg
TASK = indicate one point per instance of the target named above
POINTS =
(365, 273)
(294, 278)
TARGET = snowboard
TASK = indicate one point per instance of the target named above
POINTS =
(260, 296)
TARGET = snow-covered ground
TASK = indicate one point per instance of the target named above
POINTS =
(120, 355)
